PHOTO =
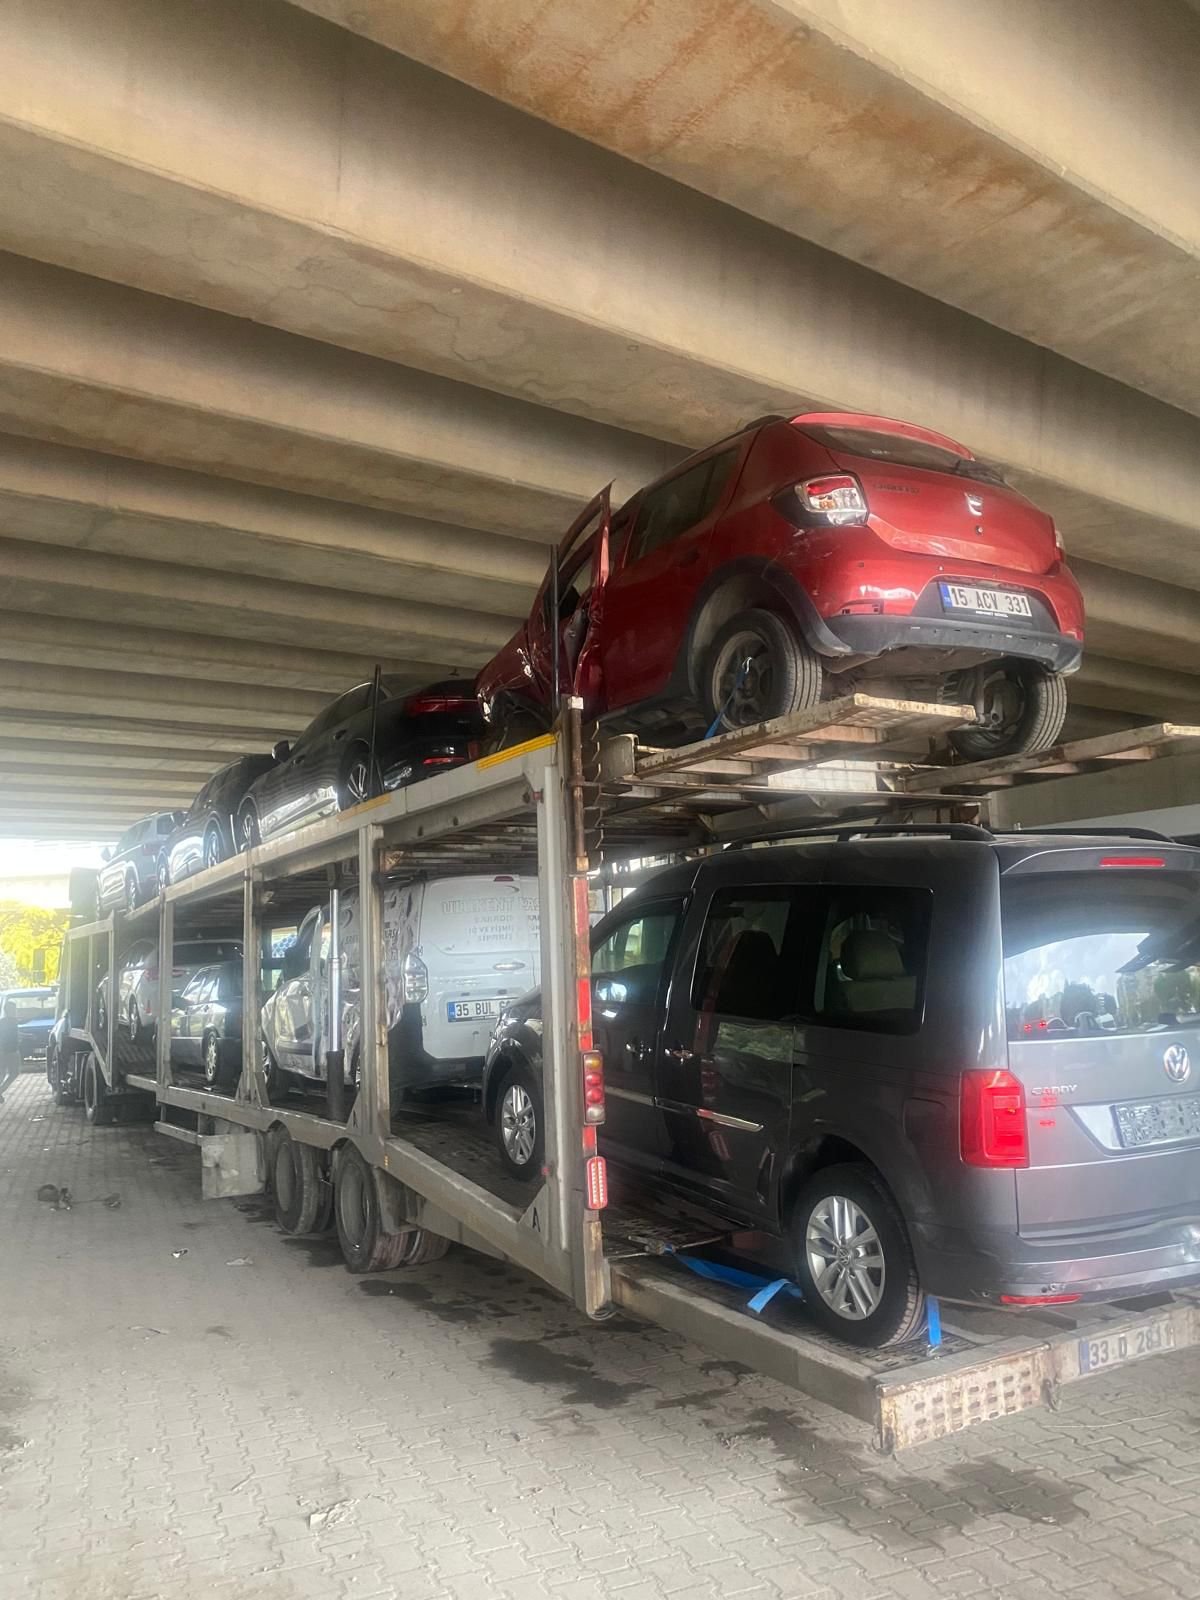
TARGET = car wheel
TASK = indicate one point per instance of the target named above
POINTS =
(1020, 708)
(164, 874)
(249, 832)
(757, 669)
(134, 1022)
(365, 1246)
(520, 1123)
(131, 892)
(210, 1059)
(101, 1015)
(355, 785)
(852, 1258)
(97, 1105)
(214, 846)
(513, 728)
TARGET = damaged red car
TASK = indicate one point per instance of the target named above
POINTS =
(801, 559)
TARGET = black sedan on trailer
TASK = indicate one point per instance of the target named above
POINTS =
(208, 830)
(330, 766)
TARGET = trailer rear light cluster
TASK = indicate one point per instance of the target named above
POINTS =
(993, 1126)
(593, 1086)
(414, 979)
(596, 1172)
(836, 499)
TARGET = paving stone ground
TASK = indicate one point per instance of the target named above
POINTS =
(193, 1406)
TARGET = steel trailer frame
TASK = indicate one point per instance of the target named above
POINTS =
(855, 759)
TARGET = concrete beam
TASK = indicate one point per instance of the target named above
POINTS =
(425, 258)
(60, 641)
(172, 701)
(60, 757)
(999, 157)
(16, 783)
(38, 580)
(1123, 686)
(1125, 790)
(92, 731)
(51, 494)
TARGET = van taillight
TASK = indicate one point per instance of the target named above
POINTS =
(414, 980)
(993, 1129)
(593, 1086)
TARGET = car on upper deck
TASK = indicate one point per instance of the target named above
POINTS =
(801, 559)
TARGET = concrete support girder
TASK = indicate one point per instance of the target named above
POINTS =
(1124, 686)
(111, 505)
(96, 365)
(426, 258)
(58, 641)
(999, 157)
(88, 732)
(157, 790)
(169, 701)
(50, 756)
(37, 579)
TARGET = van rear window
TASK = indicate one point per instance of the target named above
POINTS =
(1087, 954)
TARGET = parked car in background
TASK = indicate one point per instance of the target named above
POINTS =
(955, 1064)
(35, 1017)
(129, 875)
(206, 1023)
(138, 977)
(329, 768)
(456, 951)
(207, 832)
(798, 559)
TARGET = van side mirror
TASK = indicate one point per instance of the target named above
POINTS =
(281, 750)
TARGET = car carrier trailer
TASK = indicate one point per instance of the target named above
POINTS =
(404, 1180)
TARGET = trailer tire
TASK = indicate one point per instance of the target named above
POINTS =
(423, 1248)
(297, 1186)
(62, 1079)
(365, 1246)
(98, 1107)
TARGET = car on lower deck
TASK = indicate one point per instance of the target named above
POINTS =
(208, 831)
(206, 1024)
(798, 560)
(138, 981)
(456, 952)
(949, 1063)
(332, 766)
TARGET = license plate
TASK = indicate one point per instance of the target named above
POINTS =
(984, 602)
(1159, 1121)
(1111, 1349)
(471, 1010)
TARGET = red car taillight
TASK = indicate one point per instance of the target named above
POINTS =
(993, 1129)
(836, 498)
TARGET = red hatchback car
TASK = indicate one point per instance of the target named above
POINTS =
(798, 559)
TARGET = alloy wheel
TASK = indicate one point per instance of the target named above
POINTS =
(845, 1257)
(213, 853)
(518, 1124)
(743, 680)
(131, 893)
(358, 782)
(212, 1059)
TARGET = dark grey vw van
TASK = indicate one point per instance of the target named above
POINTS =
(936, 1062)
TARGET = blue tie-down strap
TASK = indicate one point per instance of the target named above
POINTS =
(765, 1289)
(933, 1323)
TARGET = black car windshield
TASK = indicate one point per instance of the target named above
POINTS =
(1112, 951)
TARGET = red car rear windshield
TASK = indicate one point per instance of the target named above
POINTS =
(1105, 952)
(900, 452)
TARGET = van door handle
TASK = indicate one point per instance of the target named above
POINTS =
(635, 1050)
(681, 1056)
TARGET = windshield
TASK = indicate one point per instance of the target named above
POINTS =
(1106, 952)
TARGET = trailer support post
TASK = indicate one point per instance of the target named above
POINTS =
(374, 1078)
(166, 961)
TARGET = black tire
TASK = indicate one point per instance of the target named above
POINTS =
(298, 1187)
(423, 1248)
(214, 1060)
(514, 727)
(1021, 708)
(136, 1028)
(355, 784)
(521, 1156)
(213, 849)
(60, 1074)
(98, 1107)
(784, 674)
(365, 1247)
(164, 874)
(900, 1310)
(249, 831)
(132, 900)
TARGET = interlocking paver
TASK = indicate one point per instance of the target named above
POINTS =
(173, 1428)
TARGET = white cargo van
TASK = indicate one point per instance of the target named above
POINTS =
(456, 951)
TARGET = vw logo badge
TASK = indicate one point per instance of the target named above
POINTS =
(1176, 1063)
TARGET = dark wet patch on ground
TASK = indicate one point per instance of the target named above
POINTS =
(261, 1211)
(321, 1252)
(530, 1361)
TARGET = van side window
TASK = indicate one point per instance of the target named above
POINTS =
(627, 965)
(741, 971)
(871, 962)
(680, 503)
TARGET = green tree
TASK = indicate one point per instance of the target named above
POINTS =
(30, 942)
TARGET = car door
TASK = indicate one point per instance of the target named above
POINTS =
(725, 1070)
(567, 630)
(631, 960)
(291, 1033)
(652, 590)
(187, 1020)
